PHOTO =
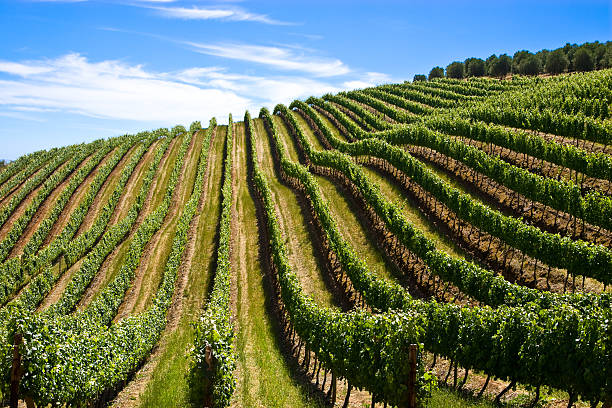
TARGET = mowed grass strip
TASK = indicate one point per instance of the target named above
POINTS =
(303, 257)
(168, 385)
(149, 272)
(344, 211)
(184, 188)
(105, 192)
(265, 377)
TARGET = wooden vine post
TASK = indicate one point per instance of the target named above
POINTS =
(15, 371)
(208, 358)
(412, 358)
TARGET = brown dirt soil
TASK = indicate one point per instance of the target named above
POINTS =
(16, 188)
(58, 289)
(514, 266)
(46, 207)
(23, 205)
(540, 167)
(129, 395)
(583, 144)
(510, 202)
(102, 197)
(75, 201)
(152, 260)
(106, 269)
(135, 181)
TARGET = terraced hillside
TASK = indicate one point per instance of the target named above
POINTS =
(441, 243)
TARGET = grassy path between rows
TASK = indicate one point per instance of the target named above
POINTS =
(167, 385)
(303, 256)
(265, 377)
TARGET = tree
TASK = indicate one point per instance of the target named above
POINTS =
(474, 67)
(436, 72)
(530, 65)
(583, 60)
(606, 59)
(501, 66)
(419, 77)
(518, 57)
(492, 60)
(455, 70)
(556, 62)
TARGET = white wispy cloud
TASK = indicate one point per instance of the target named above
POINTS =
(266, 91)
(110, 89)
(227, 14)
(117, 90)
(367, 79)
(283, 58)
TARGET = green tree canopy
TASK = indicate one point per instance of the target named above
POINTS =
(436, 72)
(474, 67)
(583, 60)
(556, 62)
(455, 70)
(501, 66)
(530, 65)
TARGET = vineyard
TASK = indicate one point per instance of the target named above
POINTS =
(430, 243)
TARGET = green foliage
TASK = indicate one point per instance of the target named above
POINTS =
(474, 67)
(500, 66)
(579, 257)
(436, 72)
(530, 65)
(535, 333)
(455, 70)
(211, 375)
(105, 355)
(370, 351)
(556, 62)
(419, 77)
(195, 126)
(583, 60)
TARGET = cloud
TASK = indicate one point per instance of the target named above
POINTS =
(367, 80)
(283, 58)
(227, 14)
(116, 90)
(110, 89)
(267, 91)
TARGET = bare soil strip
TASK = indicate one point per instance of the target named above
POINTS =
(130, 396)
(148, 273)
(48, 204)
(23, 205)
(75, 200)
(113, 261)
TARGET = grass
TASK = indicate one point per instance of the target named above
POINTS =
(168, 386)
(445, 398)
(265, 377)
(394, 194)
(154, 270)
(344, 212)
(106, 191)
(302, 254)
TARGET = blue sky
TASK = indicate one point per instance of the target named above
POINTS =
(74, 71)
